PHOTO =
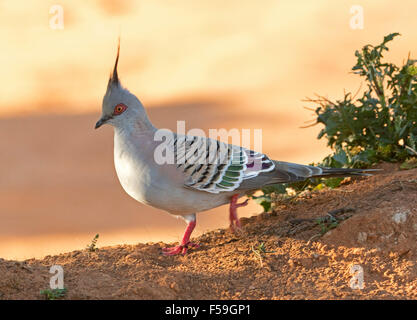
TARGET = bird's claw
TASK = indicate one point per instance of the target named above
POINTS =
(242, 204)
(180, 249)
(236, 228)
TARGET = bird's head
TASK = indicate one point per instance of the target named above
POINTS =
(121, 108)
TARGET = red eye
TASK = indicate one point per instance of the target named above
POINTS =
(119, 109)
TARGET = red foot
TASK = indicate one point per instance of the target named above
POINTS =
(180, 249)
(234, 220)
(185, 243)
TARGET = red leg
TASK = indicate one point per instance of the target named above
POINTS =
(234, 220)
(185, 243)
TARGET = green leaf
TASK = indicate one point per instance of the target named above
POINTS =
(266, 205)
(410, 163)
(341, 157)
(412, 70)
(390, 37)
(264, 201)
(333, 182)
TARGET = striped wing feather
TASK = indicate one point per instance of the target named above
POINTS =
(213, 166)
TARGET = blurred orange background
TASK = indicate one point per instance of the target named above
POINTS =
(215, 64)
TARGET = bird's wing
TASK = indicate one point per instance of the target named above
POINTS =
(213, 166)
(283, 172)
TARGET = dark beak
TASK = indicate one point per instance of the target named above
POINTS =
(99, 124)
(102, 121)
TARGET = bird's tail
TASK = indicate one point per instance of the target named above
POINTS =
(343, 172)
(292, 172)
(287, 172)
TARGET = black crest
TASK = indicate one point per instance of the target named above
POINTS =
(114, 78)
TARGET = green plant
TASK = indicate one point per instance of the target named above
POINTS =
(380, 125)
(92, 246)
(53, 294)
(326, 226)
(259, 251)
(409, 164)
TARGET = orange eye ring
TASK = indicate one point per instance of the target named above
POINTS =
(119, 109)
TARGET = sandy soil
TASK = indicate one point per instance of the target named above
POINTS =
(376, 229)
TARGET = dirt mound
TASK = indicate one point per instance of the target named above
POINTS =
(305, 250)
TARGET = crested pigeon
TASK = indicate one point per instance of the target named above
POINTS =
(204, 174)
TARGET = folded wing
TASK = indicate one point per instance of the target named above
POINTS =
(213, 166)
